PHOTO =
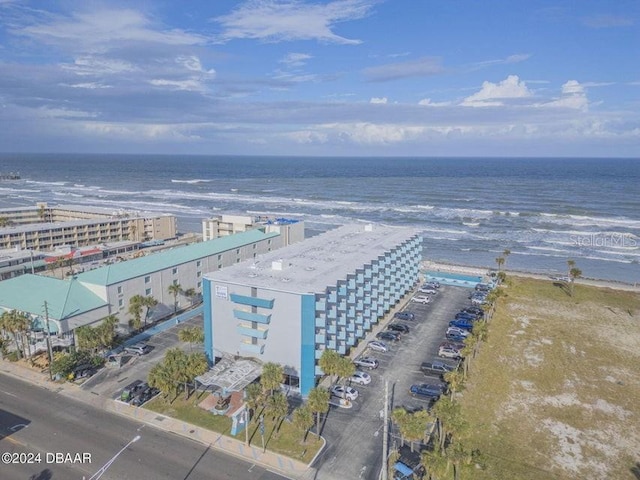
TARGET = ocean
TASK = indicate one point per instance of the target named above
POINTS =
(544, 210)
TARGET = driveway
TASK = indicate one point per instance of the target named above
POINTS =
(354, 436)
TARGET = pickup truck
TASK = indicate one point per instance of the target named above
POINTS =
(436, 368)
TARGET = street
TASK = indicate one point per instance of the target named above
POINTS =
(65, 439)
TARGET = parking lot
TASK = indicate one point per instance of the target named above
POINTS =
(354, 436)
(110, 381)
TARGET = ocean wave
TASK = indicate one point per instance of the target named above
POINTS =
(194, 181)
(36, 182)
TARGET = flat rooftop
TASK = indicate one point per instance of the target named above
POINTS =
(316, 263)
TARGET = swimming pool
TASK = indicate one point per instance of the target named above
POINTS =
(455, 279)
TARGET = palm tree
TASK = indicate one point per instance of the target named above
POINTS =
(318, 402)
(277, 407)
(136, 304)
(191, 335)
(160, 377)
(455, 379)
(574, 273)
(570, 264)
(196, 364)
(345, 369)
(303, 420)
(500, 262)
(505, 254)
(436, 463)
(190, 293)
(175, 289)
(271, 377)
(254, 398)
(329, 362)
(15, 323)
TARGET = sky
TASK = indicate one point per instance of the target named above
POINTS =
(323, 78)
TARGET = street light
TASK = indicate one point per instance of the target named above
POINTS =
(104, 468)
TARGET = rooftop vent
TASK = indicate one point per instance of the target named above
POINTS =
(253, 275)
(286, 279)
(277, 264)
(309, 268)
(368, 227)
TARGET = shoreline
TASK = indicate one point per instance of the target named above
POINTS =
(482, 271)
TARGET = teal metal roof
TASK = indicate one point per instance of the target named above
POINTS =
(122, 271)
(65, 298)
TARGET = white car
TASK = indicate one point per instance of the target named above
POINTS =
(460, 332)
(449, 352)
(429, 290)
(378, 346)
(361, 378)
(421, 299)
(341, 391)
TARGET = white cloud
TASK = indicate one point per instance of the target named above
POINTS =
(374, 134)
(382, 100)
(422, 67)
(87, 65)
(426, 102)
(573, 96)
(286, 20)
(493, 94)
(99, 30)
(295, 59)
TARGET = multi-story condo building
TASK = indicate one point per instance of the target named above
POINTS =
(47, 228)
(290, 229)
(288, 306)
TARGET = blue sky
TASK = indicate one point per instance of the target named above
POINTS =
(304, 77)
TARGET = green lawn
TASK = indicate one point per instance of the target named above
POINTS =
(286, 442)
(556, 385)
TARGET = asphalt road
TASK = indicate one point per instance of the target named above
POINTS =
(354, 436)
(41, 424)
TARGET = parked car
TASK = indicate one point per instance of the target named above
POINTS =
(378, 346)
(421, 299)
(426, 390)
(461, 332)
(449, 352)
(366, 362)
(84, 370)
(478, 301)
(455, 338)
(389, 336)
(404, 316)
(475, 310)
(432, 283)
(398, 327)
(436, 368)
(467, 315)
(482, 287)
(429, 290)
(342, 391)
(138, 349)
(144, 394)
(361, 378)
(130, 390)
(462, 323)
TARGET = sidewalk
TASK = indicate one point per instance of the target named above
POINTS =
(281, 464)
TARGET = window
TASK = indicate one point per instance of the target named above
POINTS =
(175, 282)
(147, 292)
(199, 284)
(198, 274)
(219, 266)
(175, 270)
(199, 263)
(120, 290)
(269, 242)
(219, 257)
(254, 246)
(237, 260)
(238, 251)
(120, 303)
(147, 279)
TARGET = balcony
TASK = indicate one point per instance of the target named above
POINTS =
(252, 317)
(321, 338)
(252, 301)
(252, 332)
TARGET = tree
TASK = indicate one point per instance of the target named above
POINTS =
(455, 379)
(190, 293)
(505, 254)
(191, 335)
(345, 369)
(136, 304)
(271, 377)
(277, 407)
(500, 262)
(412, 426)
(175, 289)
(329, 362)
(303, 420)
(318, 402)
(4, 221)
(16, 323)
(436, 463)
(160, 377)
(570, 264)
(574, 273)
(254, 397)
(196, 364)
(449, 421)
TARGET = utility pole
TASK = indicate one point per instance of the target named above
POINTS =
(49, 350)
(385, 434)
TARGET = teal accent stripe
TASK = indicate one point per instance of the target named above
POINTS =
(251, 317)
(208, 320)
(253, 301)
(308, 346)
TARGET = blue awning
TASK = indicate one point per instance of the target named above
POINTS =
(403, 469)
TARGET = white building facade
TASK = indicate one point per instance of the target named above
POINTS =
(326, 292)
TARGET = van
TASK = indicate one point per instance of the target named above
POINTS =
(137, 349)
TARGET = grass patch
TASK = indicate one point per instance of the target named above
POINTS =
(287, 441)
(556, 384)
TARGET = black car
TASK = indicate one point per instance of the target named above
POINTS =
(474, 310)
(131, 390)
(391, 336)
(84, 370)
(436, 368)
(427, 390)
(466, 315)
(398, 327)
(404, 316)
